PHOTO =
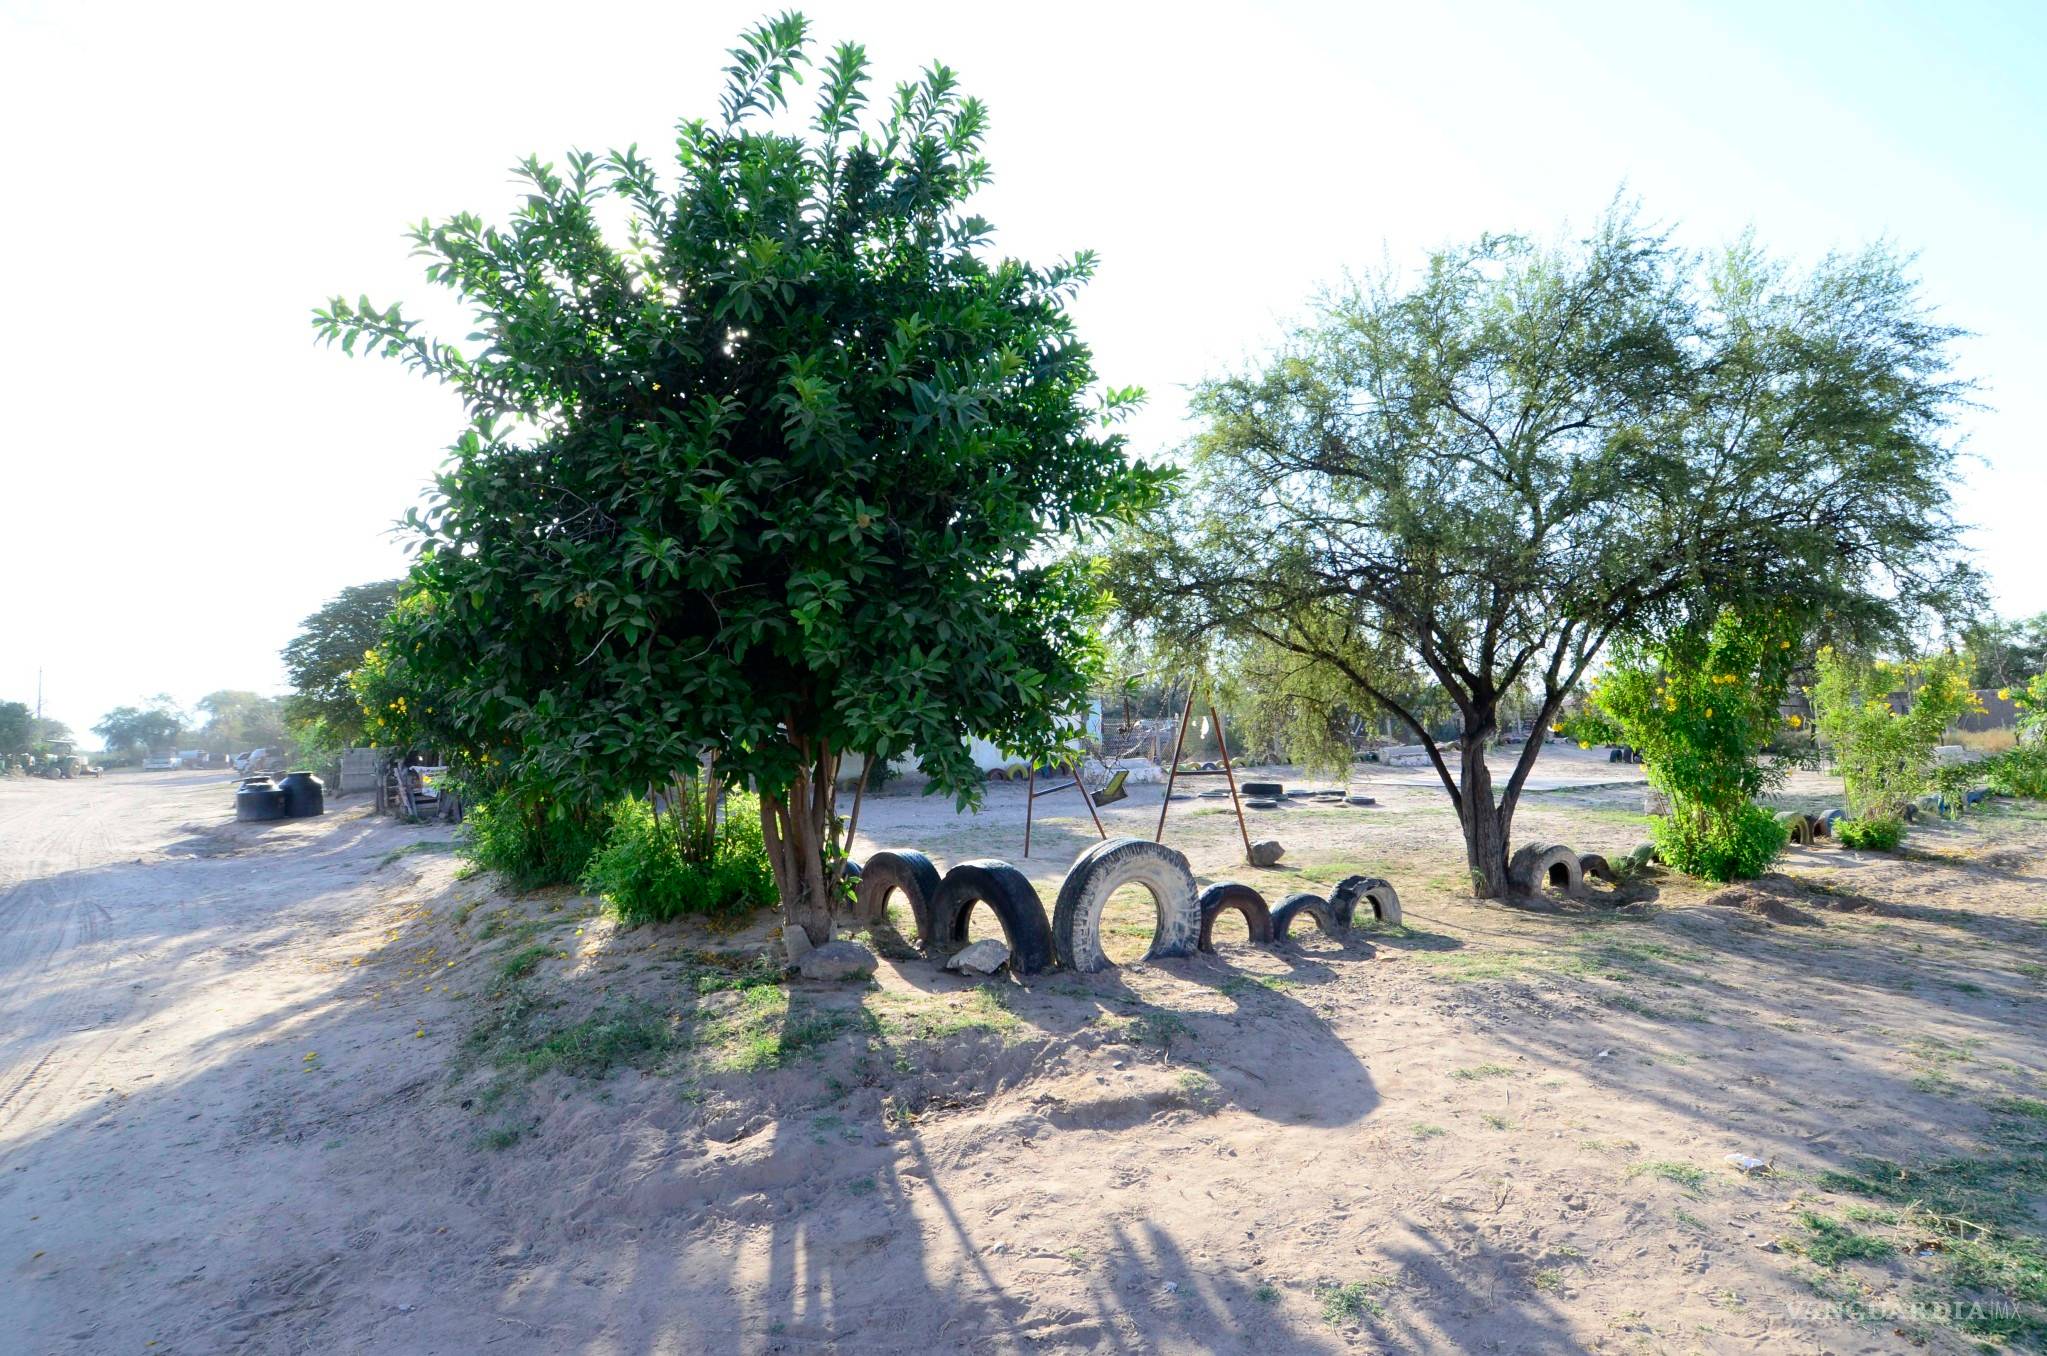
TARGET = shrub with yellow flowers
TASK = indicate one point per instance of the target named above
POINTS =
(1701, 705)
(1883, 747)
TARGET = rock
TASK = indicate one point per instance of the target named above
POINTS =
(984, 957)
(796, 942)
(837, 960)
(1266, 852)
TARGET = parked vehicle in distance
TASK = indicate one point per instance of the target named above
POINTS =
(160, 762)
(258, 760)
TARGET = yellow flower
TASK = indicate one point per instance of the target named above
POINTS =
(1783, 644)
(2004, 694)
(1584, 743)
(1709, 713)
(1794, 721)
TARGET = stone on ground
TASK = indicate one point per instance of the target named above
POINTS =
(984, 957)
(1266, 852)
(837, 960)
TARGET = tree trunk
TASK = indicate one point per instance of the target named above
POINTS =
(798, 827)
(1485, 824)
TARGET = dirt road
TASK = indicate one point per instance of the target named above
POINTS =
(285, 1088)
(163, 973)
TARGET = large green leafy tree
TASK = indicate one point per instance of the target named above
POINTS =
(16, 724)
(1482, 474)
(325, 653)
(771, 474)
(238, 720)
(138, 729)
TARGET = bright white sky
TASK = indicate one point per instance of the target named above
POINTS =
(184, 474)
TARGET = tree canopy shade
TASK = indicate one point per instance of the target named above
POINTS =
(16, 723)
(324, 654)
(772, 476)
(240, 720)
(138, 729)
(1475, 478)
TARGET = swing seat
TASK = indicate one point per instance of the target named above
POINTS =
(1114, 790)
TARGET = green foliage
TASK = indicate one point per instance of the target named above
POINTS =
(2018, 772)
(323, 656)
(398, 706)
(646, 875)
(530, 839)
(2001, 653)
(16, 720)
(1885, 757)
(1873, 835)
(1700, 705)
(139, 729)
(2031, 701)
(1952, 783)
(241, 720)
(1736, 845)
(773, 470)
(1830, 1243)
(1478, 474)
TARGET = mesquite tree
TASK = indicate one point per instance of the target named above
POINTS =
(766, 475)
(1473, 479)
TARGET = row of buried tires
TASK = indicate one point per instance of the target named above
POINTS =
(1538, 866)
(1072, 936)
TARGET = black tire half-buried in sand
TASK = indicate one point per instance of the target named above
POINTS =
(896, 869)
(1225, 895)
(1106, 868)
(1009, 895)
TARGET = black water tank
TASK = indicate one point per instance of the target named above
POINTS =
(304, 794)
(259, 802)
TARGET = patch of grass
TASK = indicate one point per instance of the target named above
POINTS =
(1832, 1243)
(1979, 1218)
(1478, 1071)
(1687, 1175)
(1690, 1221)
(504, 1137)
(861, 1186)
(769, 1030)
(1203, 1092)
(1548, 1280)
(1497, 1122)
(412, 849)
(1350, 1303)
(2026, 1108)
(634, 1035)
(933, 1017)
(1266, 1293)
(1238, 985)
(1422, 1131)
(523, 963)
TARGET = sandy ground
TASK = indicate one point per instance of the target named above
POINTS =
(281, 1089)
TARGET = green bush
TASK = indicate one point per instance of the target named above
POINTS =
(1699, 704)
(1878, 835)
(1886, 758)
(2018, 772)
(1723, 847)
(530, 840)
(643, 873)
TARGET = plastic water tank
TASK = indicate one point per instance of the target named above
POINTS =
(304, 794)
(260, 801)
